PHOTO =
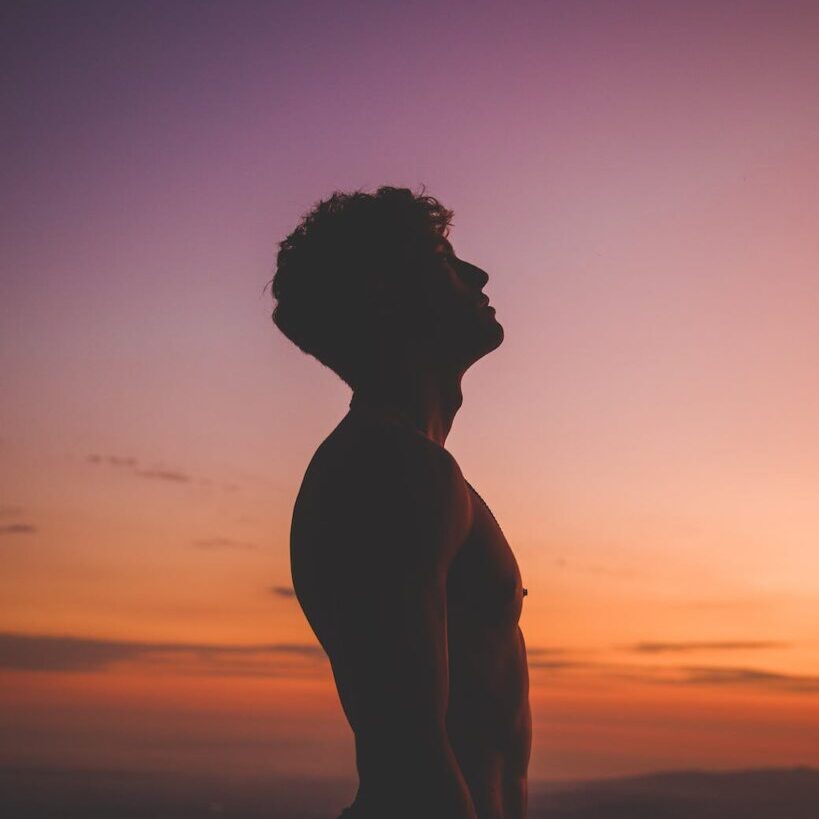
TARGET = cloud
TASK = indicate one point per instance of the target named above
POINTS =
(716, 645)
(283, 591)
(685, 675)
(569, 660)
(551, 651)
(131, 464)
(756, 677)
(21, 652)
(555, 657)
(560, 664)
(58, 653)
(223, 543)
(17, 529)
(24, 652)
(114, 460)
(165, 475)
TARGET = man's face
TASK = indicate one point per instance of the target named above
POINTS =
(466, 321)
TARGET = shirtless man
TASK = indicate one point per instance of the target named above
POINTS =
(400, 568)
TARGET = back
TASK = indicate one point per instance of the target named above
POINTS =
(351, 542)
(380, 516)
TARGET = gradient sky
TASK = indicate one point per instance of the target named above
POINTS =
(641, 182)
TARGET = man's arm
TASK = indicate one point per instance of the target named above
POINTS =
(405, 514)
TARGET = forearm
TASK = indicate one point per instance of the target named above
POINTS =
(515, 797)
(415, 781)
(456, 800)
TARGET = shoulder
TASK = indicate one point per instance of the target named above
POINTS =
(387, 490)
(394, 457)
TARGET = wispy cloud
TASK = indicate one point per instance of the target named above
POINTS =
(131, 464)
(558, 664)
(713, 645)
(17, 529)
(57, 653)
(223, 543)
(556, 657)
(114, 460)
(25, 652)
(548, 651)
(283, 591)
(677, 675)
(755, 677)
(165, 475)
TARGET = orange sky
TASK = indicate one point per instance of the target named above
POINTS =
(641, 185)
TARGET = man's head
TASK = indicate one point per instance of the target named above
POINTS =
(369, 280)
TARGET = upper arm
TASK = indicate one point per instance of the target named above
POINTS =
(403, 515)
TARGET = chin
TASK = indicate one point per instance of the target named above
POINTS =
(496, 335)
(490, 340)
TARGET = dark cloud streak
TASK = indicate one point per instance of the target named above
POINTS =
(716, 645)
(23, 652)
(114, 460)
(223, 543)
(164, 475)
(685, 675)
(710, 675)
(131, 464)
(18, 529)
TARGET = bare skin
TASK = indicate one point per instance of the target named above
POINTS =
(413, 591)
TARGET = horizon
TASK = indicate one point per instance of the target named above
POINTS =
(792, 794)
(347, 781)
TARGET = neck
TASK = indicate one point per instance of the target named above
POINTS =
(427, 401)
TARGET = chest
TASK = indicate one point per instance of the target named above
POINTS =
(484, 588)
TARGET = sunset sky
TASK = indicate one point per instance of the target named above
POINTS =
(640, 181)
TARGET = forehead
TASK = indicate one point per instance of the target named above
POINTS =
(444, 244)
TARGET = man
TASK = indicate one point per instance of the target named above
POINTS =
(401, 569)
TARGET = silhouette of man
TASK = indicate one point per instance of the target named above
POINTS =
(399, 566)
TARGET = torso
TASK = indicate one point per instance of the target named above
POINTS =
(488, 718)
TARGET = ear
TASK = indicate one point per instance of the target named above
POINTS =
(383, 298)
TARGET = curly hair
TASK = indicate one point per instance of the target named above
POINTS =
(351, 258)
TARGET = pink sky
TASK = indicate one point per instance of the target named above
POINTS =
(641, 182)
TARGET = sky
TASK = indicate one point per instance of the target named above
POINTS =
(641, 183)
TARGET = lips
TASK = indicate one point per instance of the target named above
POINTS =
(484, 302)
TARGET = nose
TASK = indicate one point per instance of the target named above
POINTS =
(473, 275)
